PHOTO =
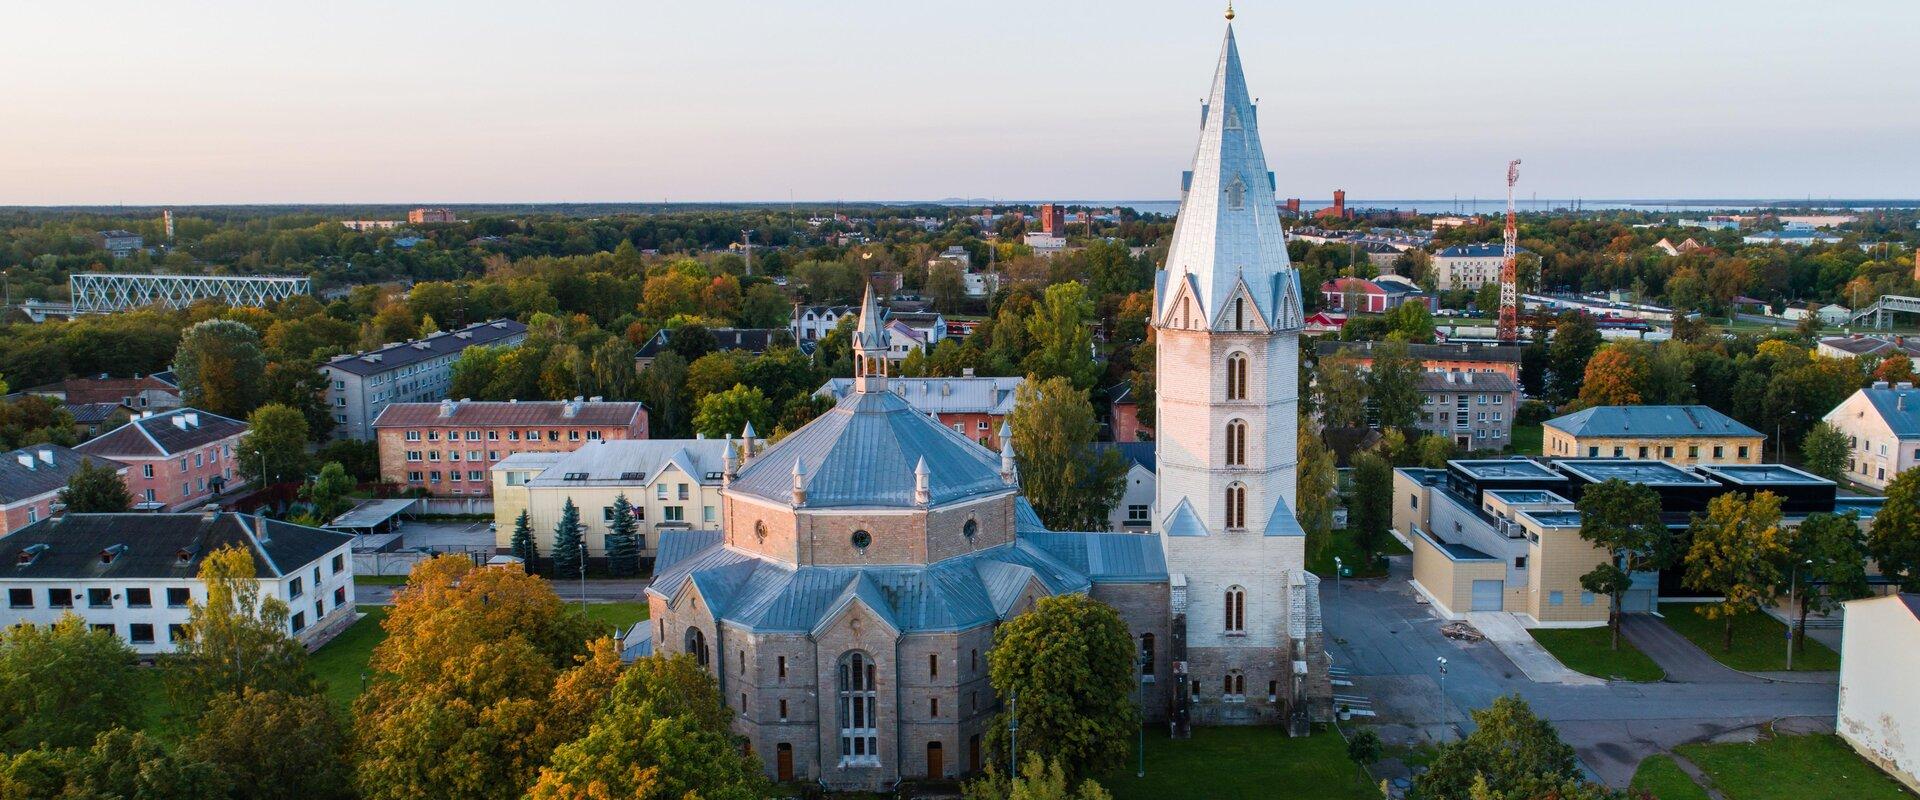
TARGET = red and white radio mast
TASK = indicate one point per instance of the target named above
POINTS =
(1509, 267)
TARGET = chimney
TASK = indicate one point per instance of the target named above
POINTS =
(260, 528)
(966, 372)
(446, 408)
(180, 421)
(799, 483)
(46, 456)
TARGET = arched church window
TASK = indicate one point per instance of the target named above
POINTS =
(1146, 654)
(1239, 313)
(760, 530)
(1236, 443)
(1237, 376)
(970, 529)
(1236, 505)
(1236, 610)
(1234, 687)
(858, 696)
(696, 646)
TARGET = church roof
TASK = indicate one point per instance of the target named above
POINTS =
(768, 596)
(862, 453)
(1228, 232)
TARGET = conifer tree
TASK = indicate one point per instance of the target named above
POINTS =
(524, 546)
(623, 546)
(566, 542)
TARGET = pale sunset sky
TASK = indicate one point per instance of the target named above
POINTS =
(404, 101)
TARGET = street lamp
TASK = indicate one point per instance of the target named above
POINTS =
(583, 574)
(1141, 749)
(1013, 733)
(1442, 661)
(1793, 587)
(1336, 573)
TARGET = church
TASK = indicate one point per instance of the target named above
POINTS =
(848, 602)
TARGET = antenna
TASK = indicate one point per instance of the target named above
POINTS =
(1509, 267)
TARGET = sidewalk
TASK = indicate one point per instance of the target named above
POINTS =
(1505, 631)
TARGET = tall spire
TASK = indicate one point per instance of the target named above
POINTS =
(1228, 234)
(870, 347)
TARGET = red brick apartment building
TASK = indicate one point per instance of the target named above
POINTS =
(31, 479)
(176, 460)
(447, 447)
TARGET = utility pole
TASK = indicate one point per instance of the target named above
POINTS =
(1013, 734)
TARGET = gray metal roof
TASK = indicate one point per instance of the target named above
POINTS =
(371, 513)
(942, 395)
(163, 434)
(1899, 407)
(862, 453)
(1650, 421)
(444, 343)
(37, 470)
(159, 545)
(625, 462)
(956, 594)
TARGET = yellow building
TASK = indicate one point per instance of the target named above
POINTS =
(1684, 435)
(671, 483)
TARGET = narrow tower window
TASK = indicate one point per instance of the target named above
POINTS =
(1236, 610)
(1237, 443)
(1237, 376)
(1236, 505)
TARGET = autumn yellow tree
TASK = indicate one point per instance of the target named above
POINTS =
(237, 638)
(482, 674)
(1613, 378)
(1736, 553)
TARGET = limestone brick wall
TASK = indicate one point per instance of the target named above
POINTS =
(1256, 563)
(1145, 608)
(946, 526)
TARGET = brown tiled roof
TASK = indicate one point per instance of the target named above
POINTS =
(163, 434)
(80, 391)
(484, 414)
(1466, 382)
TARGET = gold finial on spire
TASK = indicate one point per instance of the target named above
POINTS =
(1229, 10)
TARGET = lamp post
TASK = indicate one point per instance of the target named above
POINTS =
(1013, 734)
(1336, 573)
(1141, 748)
(583, 574)
(1442, 661)
(1793, 588)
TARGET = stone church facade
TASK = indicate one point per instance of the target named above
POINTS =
(847, 605)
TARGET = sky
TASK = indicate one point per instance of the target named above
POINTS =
(418, 101)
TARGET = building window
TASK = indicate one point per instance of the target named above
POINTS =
(140, 633)
(1236, 443)
(1234, 687)
(146, 470)
(295, 588)
(1643, 451)
(339, 563)
(1719, 451)
(177, 597)
(933, 665)
(1146, 654)
(1236, 505)
(1137, 515)
(780, 667)
(99, 598)
(139, 598)
(299, 621)
(1237, 376)
(176, 633)
(1556, 598)
(1519, 562)
(1593, 452)
(783, 711)
(859, 730)
(1236, 610)
(1743, 452)
(696, 645)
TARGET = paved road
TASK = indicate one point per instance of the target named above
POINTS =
(1390, 643)
(1678, 656)
(598, 591)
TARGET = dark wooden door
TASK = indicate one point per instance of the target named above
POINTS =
(936, 761)
(783, 760)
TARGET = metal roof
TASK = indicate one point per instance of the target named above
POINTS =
(862, 453)
(625, 462)
(1453, 381)
(371, 513)
(511, 413)
(1503, 468)
(34, 471)
(1140, 453)
(1650, 421)
(1763, 474)
(158, 545)
(963, 592)
(1651, 473)
(444, 343)
(163, 434)
(942, 395)
(1899, 407)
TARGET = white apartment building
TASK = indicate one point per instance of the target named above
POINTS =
(134, 574)
(1882, 426)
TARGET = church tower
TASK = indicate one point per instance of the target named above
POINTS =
(1227, 320)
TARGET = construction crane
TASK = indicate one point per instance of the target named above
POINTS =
(1510, 267)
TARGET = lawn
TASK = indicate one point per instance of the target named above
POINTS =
(616, 615)
(1251, 762)
(1342, 545)
(340, 663)
(1791, 768)
(1526, 439)
(1662, 778)
(1590, 650)
(380, 580)
(1759, 641)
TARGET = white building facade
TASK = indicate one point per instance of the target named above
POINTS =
(1878, 648)
(1228, 316)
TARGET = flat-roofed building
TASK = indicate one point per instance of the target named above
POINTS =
(673, 484)
(447, 448)
(176, 460)
(1679, 434)
(136, 575)
(361, 385)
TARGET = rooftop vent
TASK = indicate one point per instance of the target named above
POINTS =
(185, 555)
(32, 552)
(193, 419)
(633, 476)
(111, 552)
(575, 476)
(26, 460)
(46, 456)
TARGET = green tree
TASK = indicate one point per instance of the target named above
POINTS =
(1824, 451)
(1063, 340)
(221, 368)
(568, 546)
(1827, 563)
(1436, 450)
(54, 685)
(1736, 553)
(1316, 485)
(664, 732)
(1622, 519)
(1513, 753)
(945, 286)
(1364, 748)
(96, 488)
(121, 763)
(1613, 377)
(1038, 781)
(722, 413)
(663, 386)
(1575, 338)
(1370, 507)
(236, 639)
(1343, 391)
(1067, 667)
(274, 449)
(623, 544)
(1894, 541)
(1393, 384)
(1412, 321)
(273, 745)
(330, 491)
(523, 545)
(1071, 485)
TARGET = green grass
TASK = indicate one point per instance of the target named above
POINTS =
(1250, 762)
(1590, 650)
(619, 615)
(340, 663)
(380, 580)
(1759, 641)
(1791, 768)
(1526, 439)
(1662, 778)
(1342, 545)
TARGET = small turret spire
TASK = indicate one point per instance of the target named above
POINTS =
(1229, 11)
(870, 347)
(922, 483)
(1007, 468)
(799, 483)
